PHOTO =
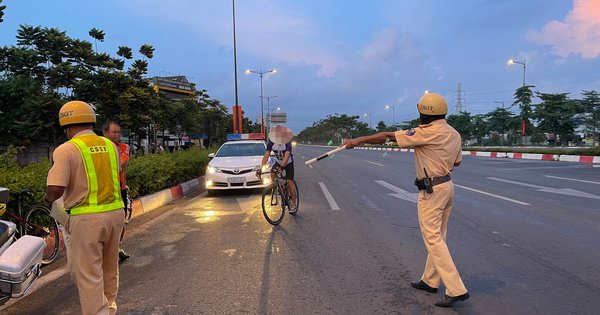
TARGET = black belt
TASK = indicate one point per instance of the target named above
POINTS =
(434, 181)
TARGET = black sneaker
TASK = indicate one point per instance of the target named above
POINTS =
(123, 255)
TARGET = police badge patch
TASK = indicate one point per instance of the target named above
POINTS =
(410, 132)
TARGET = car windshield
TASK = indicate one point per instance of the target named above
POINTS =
(241, 149)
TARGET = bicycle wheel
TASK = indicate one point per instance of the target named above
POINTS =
(297, 205)
(129, 208)
(272, 205)
(41, 224)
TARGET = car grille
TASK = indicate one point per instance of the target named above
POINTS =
(218, 184)
(232, 173)
(253, 183)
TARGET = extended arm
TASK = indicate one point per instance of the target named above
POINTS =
(378, 138)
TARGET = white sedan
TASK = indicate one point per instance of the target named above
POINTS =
(234, 166)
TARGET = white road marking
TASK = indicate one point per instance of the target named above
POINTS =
(329, 197)
(573, 179)
(374, 163)
(561, 191)
(399, 192)
(493, 195)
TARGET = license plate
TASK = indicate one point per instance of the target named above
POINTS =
(236, 180)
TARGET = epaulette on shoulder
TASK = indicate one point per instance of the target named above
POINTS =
(425, 125)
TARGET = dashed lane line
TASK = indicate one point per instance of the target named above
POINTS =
(573, 179)
(493, 195)
(332, 204)
(379, 164)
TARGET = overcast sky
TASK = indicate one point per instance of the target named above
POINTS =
(344, 56)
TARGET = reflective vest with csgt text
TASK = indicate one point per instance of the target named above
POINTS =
(100, 160)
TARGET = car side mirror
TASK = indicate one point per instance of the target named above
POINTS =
(211, 155)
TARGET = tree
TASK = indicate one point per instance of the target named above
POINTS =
(2, 7)
(500, 120)
(463, 124)
(97, 35)
(125, 52)
(407, 124)
(523, 98)
(480, 127)
(147, 50)
(556, 115)
(591, 107)
(381, 126)
(334, 128)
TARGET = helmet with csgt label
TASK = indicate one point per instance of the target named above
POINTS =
(76, 112)
(432, 104)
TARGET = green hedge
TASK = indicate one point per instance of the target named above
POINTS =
(145, 174)
(150, 173)
(17, 178)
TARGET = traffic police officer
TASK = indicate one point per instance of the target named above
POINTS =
(86, 174)
(437, 149)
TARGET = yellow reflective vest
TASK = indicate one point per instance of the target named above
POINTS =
(102, 170)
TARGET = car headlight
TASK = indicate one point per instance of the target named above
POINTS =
(211, 169)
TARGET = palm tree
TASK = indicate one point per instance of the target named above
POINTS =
(97, 35)
(147, 50)
(125, 52)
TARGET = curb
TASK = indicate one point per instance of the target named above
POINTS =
(158, 199)
(510, 155)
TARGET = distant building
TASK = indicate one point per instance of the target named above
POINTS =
(173, 88)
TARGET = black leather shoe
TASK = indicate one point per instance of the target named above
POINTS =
(423, 286)
(123, 255)
(449, 300)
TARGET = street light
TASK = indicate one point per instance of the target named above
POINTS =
(369, 115)
(524, 63)
(393, 114)
(500, 102)
(235, 122)
(262, 112)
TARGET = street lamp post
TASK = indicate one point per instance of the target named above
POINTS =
(393, 114)
(369, 115)
(262, 112)
(235, 122)
(524, 63)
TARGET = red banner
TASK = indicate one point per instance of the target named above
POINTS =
(522, 127)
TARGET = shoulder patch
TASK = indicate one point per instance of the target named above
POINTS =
(410, 132)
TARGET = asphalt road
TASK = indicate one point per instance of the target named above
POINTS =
(524, 235)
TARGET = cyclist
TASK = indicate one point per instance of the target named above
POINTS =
(280, 143)
(112, 130)
(86, 174)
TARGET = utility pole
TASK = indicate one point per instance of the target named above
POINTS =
(459, 105)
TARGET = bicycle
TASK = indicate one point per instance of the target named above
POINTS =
(276, 198)
(37, 222)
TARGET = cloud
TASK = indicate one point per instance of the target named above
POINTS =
(577, 34)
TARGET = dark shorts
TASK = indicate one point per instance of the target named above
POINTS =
(124, 196)
(288, 171)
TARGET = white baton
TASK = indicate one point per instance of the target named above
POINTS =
(325, 155)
